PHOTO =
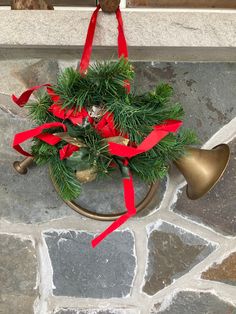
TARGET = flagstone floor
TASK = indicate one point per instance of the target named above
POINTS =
(178, 257)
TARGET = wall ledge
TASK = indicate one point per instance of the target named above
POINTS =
(159, 30)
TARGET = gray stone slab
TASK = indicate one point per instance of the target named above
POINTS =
(114, 311)
(186, 302)
(81, 271)
(41, 72)
(18, 275)
(217, 208)
(10, 68)
(30, 198)
(172, 252)
(10, 124)
(68, 28)
(206, 91)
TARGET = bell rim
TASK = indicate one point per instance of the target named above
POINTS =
(227, 158)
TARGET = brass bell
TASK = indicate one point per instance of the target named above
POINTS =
(203, 168)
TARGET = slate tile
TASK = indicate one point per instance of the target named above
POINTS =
(224, 272)
(205, 90)
(186, 302)
(81, 271)
(172, 252)
(18, 275)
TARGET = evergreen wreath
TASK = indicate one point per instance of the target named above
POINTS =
(96, 109)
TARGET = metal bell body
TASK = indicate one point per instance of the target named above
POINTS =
(202, 168)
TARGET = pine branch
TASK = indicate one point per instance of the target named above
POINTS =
(38, 110)
(64, 178)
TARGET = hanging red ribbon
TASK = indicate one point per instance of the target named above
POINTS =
(131, 211)
(84, 63)
(122, 44)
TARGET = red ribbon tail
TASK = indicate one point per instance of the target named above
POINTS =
(24, 97)
(131, 211)
(37, 132)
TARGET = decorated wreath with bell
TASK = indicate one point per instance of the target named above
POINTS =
(90, 123)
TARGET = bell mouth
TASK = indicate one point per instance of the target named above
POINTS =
(224, 161)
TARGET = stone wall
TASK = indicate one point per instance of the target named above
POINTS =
(178, 257)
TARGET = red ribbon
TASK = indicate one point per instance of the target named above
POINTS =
(76, 117)
(158, 133)
(106, 126)
(23, 99)
(67, 151)
(131, 211)
(38, 133)
(122, 45)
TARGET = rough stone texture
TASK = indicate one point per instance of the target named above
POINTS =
(18, 275)
(223, 272)
(155, 203)
(78, 311)
(17, 75)
(172, 253)
(9, 74)
(205, 90)
(107, 195)
(51, 29)
(81, 271)
(10, 84)
(182, 4)
(30, 198)
(186, 302)
(217, 208)
(41, 72)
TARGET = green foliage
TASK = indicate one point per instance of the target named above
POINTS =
(64, 178)
(43, 152)
(101, 80)
(38, 110)
(135, 115)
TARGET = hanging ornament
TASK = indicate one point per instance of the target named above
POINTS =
(95, 124)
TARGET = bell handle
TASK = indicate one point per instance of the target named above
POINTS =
(22, 166)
